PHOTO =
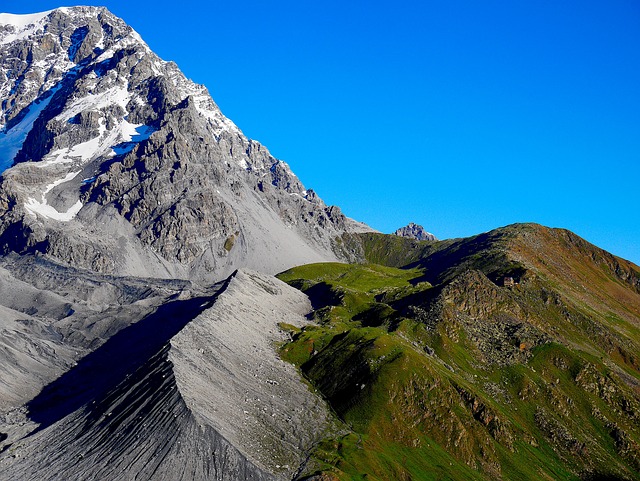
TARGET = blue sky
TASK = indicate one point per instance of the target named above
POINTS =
(462, 116)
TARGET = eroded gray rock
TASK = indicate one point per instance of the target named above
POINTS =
(190, 388)
(127, 167)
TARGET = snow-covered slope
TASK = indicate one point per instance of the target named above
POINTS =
(113, 160)
(21, 27)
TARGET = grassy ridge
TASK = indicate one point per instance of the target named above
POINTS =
(404, 366)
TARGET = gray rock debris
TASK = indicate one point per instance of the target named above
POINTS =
(197, 392)
(229, 373)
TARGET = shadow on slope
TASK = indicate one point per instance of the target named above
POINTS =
(121, 355)
(485, 252)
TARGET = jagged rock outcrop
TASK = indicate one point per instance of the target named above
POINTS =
(118, 163)
(489, 316)
(415, 231)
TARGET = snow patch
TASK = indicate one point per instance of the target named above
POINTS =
(35, 207)
(117, 95)
(202, 101)
(80, 152)
(131, 40)
(132, 134)
(11, 141)
(205, 105)
(21, 21)
(23, 25)
(117, 141)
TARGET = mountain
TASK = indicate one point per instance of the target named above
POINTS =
(127, 204)
(143, 335)
(114, 161)
(153, 380)
(415, 231)
(508, 355)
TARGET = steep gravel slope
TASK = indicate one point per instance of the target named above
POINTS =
(194, 390)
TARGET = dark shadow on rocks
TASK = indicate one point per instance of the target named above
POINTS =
(120, 356)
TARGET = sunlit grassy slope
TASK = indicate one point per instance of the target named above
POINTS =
(438, 371)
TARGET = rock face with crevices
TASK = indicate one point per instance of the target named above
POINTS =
(415, 231)
(112, 160)
(125, 195)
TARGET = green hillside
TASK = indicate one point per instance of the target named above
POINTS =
(440, 368)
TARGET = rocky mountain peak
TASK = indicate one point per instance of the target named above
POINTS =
(415, 231)
(113, 160)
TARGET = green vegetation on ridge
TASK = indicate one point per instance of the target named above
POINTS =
(465, 379)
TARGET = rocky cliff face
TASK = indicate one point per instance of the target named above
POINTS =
(118, 163)
(120, 176)
(415, 231)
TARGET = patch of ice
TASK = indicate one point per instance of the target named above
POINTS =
(78, 153)
(11, 141)
(105, 56)
(132, 134)
(35, 207)
(23, 25)
(21, 21)
(116, 95)
(119, 140)
(84, 151)
(56, 157)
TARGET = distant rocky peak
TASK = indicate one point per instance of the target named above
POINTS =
(415, 231)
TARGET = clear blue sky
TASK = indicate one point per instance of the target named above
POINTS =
(462, 116)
